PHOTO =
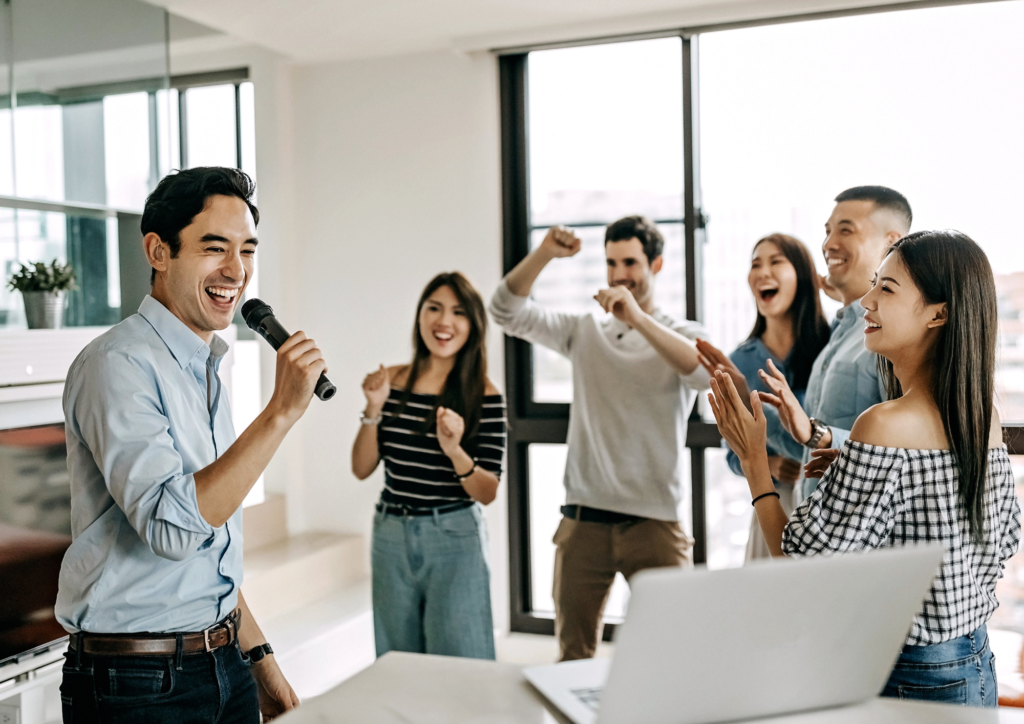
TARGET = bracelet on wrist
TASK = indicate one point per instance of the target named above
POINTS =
(764, 495)
(371, 419)
(818, 430)
(462, 478)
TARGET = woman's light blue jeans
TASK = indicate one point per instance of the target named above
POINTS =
(432, 584)
(960, 671)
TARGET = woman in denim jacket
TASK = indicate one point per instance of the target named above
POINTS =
(790, 330)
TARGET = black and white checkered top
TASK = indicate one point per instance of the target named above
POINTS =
(881, 497)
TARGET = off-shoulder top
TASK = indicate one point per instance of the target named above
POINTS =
(880, 497)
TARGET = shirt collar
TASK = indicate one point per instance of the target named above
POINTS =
(851, 311)
(183, 343)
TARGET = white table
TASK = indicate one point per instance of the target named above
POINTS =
(417, 689)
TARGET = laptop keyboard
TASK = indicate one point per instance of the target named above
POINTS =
(589, 696)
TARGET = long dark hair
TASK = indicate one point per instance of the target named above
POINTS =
(949, 267)
(810, 328)
(464, 389)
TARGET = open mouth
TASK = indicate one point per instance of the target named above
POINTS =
(835, 261)
(443, 336)
(870, 326)
(222, 296)
(768, 294)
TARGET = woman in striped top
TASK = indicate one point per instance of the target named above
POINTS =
(439, 426)
(927, 465)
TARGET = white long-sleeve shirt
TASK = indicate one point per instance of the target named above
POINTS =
(627, 425)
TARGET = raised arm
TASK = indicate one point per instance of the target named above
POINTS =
(558, 243)
(519, 315)
(222, 485)
(365, 453)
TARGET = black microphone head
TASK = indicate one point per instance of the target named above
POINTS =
(254, 311)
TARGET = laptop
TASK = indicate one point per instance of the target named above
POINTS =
(773, 637)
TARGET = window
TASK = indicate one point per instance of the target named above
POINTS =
(604, 143)
(789, 115)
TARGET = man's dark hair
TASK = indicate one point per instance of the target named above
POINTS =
(883, 197)
(181, 196)
(638, 227)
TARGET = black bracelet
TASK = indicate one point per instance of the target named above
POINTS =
(472, 470)
(764, 495)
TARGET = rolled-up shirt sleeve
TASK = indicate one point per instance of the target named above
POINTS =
(118, 414)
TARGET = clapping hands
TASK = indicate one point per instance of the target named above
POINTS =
(745, 431)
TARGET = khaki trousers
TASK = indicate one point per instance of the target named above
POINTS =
(587, 557)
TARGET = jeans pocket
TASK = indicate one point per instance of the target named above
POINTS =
(460, 523)
(954, 692)
(135, 683)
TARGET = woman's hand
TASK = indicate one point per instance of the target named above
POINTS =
(713, 359)
(450, 427)
(791, 414)
(820, 460)
(746, 433)
(376, 387)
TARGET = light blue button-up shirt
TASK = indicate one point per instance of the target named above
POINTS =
(144, 410)
(844, 382)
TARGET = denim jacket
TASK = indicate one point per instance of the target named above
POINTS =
(844, 382)
(750, 356)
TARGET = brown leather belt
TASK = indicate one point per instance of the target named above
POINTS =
(220, 634)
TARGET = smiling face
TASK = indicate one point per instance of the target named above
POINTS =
(204, 283)
(856, 236)
(444, 326)
(628, 267)
(897, 318)
(772, 280)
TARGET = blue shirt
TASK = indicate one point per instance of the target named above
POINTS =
(144, 410)
(749, 357)
(844, 382)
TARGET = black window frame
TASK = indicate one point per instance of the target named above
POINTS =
(543, 422)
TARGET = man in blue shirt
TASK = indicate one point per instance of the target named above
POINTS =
(149, 588)
(844, 380)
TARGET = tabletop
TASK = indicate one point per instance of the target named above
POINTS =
(402, 688)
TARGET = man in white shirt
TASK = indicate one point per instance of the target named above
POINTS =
(635, 378)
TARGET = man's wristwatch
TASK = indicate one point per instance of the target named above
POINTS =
(818, 430)
(257, 653)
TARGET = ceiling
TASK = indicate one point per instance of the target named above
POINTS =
(309, 31)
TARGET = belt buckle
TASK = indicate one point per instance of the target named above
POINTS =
(206, 639)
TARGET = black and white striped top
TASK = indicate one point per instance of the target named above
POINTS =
(417, 474)
(881, 497)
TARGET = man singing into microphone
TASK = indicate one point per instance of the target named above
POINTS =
(149, 588)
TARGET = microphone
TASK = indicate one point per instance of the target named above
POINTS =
(259, 317)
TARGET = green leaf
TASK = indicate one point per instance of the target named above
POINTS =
(41, 277)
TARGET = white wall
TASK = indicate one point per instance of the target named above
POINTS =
(397, 177)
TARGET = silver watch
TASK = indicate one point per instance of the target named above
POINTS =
(375, 420)
(818, 430)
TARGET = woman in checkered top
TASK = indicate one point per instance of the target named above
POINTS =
(928, 465)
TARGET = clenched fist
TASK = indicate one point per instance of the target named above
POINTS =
(376, 387)
(560, 242)
(450, 427)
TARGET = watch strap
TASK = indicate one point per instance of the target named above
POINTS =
(818, 430)
(258, 653)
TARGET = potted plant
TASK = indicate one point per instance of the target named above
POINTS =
(42, 286)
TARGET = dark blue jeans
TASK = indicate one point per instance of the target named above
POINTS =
(202, 688)
(961, 671)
